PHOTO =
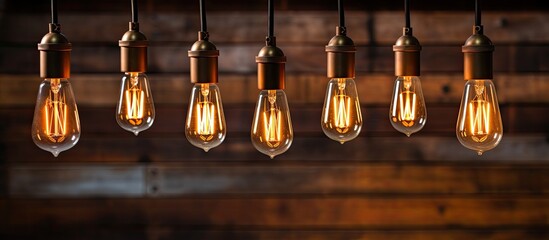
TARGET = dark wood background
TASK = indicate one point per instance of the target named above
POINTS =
(383, 185)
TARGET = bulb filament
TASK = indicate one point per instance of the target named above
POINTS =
(55, 111)
(480, 115)
(342, 108)
(205, 115)
(272, 122)
(135, 98)
(408, 102)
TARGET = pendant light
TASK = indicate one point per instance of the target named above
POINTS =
(272, 132)
(55, 125)
(135, 109)
(479, 126)
(407, 113)
(205, 126)
(341, 116)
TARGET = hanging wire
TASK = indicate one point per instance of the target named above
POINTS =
(203, 23)
(477, 13)
(134, 11)
(341, 13)
(271, 19)
(407, 12)
(54, 12)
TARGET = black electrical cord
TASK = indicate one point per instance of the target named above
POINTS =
(203, 24)
(407, 12)
(271, 19)
(135, 11)
(477, 13)
(54, 12)
(341, 13)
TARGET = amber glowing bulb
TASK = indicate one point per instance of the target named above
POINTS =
(56, 124)
(408, 113)
(135, 109)
(341, 115)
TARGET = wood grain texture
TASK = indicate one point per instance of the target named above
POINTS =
(289, 212)
(292, 27)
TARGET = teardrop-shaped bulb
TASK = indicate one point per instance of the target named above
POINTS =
(56, 125)
(341, 116)
(135, 109)
(408, 113)
(272, 132)
(479, 126)
(205, 126)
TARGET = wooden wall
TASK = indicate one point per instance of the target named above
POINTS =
(383, 185)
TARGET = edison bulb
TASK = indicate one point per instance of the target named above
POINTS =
(272, 132)
(408, 113)
(135, 109)
(56, 125)
(341, 115)
(479, 126)
(205, 126)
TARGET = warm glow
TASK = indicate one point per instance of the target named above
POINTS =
(408, 113)
(341, 116)
(272, 125)
(55, 111)
(135, 98)
(408, 108)
(205, 115)
(479, 116)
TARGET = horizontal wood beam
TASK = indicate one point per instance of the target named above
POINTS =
(284, 212)
(209, 179)
(292, 27)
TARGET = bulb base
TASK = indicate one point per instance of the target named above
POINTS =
(407, 54)
(477, 56)
(271, 64)
(55, 54)
(341, 55)
(133, 50)
(203, 57)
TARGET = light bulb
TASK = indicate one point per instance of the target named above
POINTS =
(341, 115)
(205, 126)
(56, 125)
(272, 132)
(135, 110)
(479, 124)
(408, 113)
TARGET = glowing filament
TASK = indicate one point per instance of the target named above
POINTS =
(479, 115)
(272, 122)
(55, 111)
(407, 111)
(205, 115)
(135, 101)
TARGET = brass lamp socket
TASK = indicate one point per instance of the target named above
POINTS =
(55, 54)
(407, 54)
(271, 64)
(477, 56)
(133, 50)
(341, 55)
(203, 58)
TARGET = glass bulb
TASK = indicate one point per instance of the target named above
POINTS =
(479, 122)
(135, 110)
(408, 113)
(205, 127)
(272, 132)
(341, 116)
(56, 125)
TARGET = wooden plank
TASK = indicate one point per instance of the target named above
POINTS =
(176, 232)
(343, 178)
(175, 148)
(77, 181)
(102, 90)
(302, 57)
(292, 27)
(85, 180)
(289, 212)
